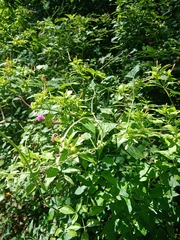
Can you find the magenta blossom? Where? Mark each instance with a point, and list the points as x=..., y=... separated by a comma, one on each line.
x=149, y=43
x=40, y=118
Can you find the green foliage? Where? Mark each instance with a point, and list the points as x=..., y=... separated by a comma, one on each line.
x=89, y=128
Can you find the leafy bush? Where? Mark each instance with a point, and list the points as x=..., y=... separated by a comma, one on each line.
x=90, y=140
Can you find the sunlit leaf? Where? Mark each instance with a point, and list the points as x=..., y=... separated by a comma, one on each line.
x=71, y=170
x=92, y=222
x=68, y=179
x=75, y=227
x=67, y=210
x=80, y=190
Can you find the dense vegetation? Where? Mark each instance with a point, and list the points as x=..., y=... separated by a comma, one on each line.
x=89, y=120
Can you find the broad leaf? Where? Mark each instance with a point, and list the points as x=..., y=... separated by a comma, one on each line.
x=52, y=172
x=95, y=210
x=67, y=210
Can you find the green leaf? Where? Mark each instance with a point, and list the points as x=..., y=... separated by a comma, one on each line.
x=2, y=197
x=105, y=128
x=95, y=210
x=63, y=155
x=107, y=175
x=157, y=192
x=90, y=126
x=48, y=120
x=50, y=214
x=80, y=190
x=1, y=162
x=108, y=230
x=174, y=92
x=85, y=236
x=135, y=152
x=30, y=188
x=71, y=170
x=108, y=111
x=108, y=160
x=58, y=231
x=121, y=139
x=83, y=137
x=68, y=179
x=143, y=179
x=44, y=67
x=129, y=205
x=52, y=172
x=74, y=218
x=64, y=85
x=72, y=233
x=150, y=49
x=133, y=72
x=75, y=227
x=31, y=226
x=87, y=156
x=67, y=210
x=48, y=181
x=78, y=206
x=123, y=192
x=92, y=223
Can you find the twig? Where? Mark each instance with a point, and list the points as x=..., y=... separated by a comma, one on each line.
x=111, y=60
x=69, y=57
x=44, y=81
x=2, y=113
x=20, y=97
x=173, y=67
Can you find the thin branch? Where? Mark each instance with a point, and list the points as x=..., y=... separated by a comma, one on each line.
x=2, y=113
x=20, y=97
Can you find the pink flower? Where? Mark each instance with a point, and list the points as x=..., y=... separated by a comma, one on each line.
x=40, y=118
x=149, y=43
